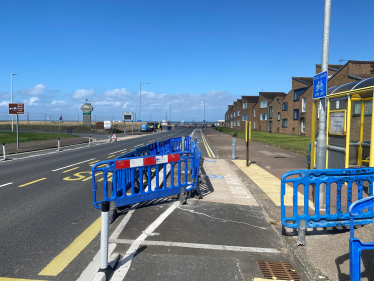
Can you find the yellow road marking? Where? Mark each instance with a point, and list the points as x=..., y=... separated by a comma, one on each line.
x=32, y=182
x=207, y=147
x=59, y=263
x=111, y=156
x=92, y=163
x=70, y=170
x=261, y=279
x=17, y=279
x=270, y=184
x=78, y=176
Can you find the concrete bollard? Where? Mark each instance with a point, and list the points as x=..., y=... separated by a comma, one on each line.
x=89, y=141
x=4, y=154
x=233, y=149
x=58, y=142
x=105, y=206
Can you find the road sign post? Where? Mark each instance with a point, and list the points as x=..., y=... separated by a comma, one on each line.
x=16, y=109
x=247, y=138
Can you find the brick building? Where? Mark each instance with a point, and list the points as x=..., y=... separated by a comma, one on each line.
x=291, y=113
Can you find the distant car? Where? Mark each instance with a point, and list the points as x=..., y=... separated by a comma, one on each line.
x=151, y=126
x=213, y=126
x=144, y=128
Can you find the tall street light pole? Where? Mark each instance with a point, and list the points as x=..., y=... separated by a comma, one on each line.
x=170, y=114
x=11, y=92
x=204, y=109
x=140, y=104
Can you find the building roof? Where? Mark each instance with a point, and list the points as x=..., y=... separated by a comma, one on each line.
x=250, y=99
x=332, y=66
x=273, y=95
x=306, y=80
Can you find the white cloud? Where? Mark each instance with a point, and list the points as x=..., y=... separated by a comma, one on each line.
x=4, y=103
x=34, y=91
x=83, y=94
x=31, y=101
x=116, y=94
x=54, y=102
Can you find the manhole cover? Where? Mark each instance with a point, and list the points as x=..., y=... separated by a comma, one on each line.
x=215, y=177
x=279, y=270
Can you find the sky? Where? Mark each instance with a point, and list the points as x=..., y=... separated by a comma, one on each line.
x=64, y=52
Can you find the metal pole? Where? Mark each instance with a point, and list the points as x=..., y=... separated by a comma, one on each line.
x=17, y=133
x=321, y=138
x=140, y=106
x=204, y=111
x=58, y=144
x=247, y=153
x=233, y=149
x=11, y=94
x=104, y=234
x=89, y=141
x=4, y=153
x=183, y=144
x=109, y=138
x=170, y=114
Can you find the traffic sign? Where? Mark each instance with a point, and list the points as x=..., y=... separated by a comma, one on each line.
x=16, y=108
x=114, y=137
x=320, y=85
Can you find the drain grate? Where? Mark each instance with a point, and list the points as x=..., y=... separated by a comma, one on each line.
x=278, y=270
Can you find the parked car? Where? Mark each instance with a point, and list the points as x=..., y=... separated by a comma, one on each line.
x=144, y=128
x=152, y=126
x=213, y=126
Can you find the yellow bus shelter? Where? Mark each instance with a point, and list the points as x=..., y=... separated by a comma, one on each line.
x=350, y=126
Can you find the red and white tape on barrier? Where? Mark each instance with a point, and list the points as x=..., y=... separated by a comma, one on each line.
x=146, y=161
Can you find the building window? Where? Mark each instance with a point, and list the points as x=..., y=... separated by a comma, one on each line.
x=254, y=112
x=263, y=116
x=298, y=92
x=285, y=106
x=303, y=126
x=234, y=123
x=284, y=123
x=244, y=118
x=238, y=123
x=368, y=105
x=295, y=114
x=264, y=104
x=279, y=116
x=231, y=124
x=303, y=104
x=239, y=113
x=244, y=105
x=270, y=112
x=234, y=114
x=231, y=115
x=254, y=124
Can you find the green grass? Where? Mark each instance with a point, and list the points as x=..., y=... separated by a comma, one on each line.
x=295, y=143
x=9, y=137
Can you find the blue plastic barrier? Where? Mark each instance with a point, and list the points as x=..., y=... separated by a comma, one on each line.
x=353, y=178
x=355, y=245
x=138, y=179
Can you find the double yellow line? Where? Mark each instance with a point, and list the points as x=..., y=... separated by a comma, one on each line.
x=207, y=147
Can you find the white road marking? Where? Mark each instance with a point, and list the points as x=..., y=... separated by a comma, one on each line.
x=94, y=265
x=123, y=223
x=6, y=184
x=117, y=151
x=199, y=246
x=125, y=263
x=73, y=165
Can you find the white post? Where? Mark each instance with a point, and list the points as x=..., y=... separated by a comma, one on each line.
x=58, y=144
x=104, y=234
x=89, y=141
x=109, y=138
x=4, y=153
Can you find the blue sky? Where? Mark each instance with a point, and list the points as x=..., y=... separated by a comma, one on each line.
x=66, y=51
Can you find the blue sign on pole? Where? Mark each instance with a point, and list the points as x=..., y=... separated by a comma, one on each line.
x=229, y=120
x=320, y=85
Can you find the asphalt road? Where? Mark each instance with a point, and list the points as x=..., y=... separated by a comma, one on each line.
x=44, y=207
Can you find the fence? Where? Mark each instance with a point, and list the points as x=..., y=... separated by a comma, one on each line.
x=52, y=122
x=158, y=170
x=355, y=245
x=343, y=186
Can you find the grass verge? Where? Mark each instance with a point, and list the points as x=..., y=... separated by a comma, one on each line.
x=9, y=137
x=294, y=143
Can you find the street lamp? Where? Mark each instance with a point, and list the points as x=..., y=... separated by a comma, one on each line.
x=204, y=109
x=170, y=113
x=11, y=92
x=140, y=105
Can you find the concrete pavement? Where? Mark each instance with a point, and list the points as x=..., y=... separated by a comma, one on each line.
x=326, y=253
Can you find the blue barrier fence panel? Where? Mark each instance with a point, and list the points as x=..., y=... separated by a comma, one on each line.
x=355, y=245
x=310, y=181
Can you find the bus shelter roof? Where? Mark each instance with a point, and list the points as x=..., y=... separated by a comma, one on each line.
x=358, y=87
